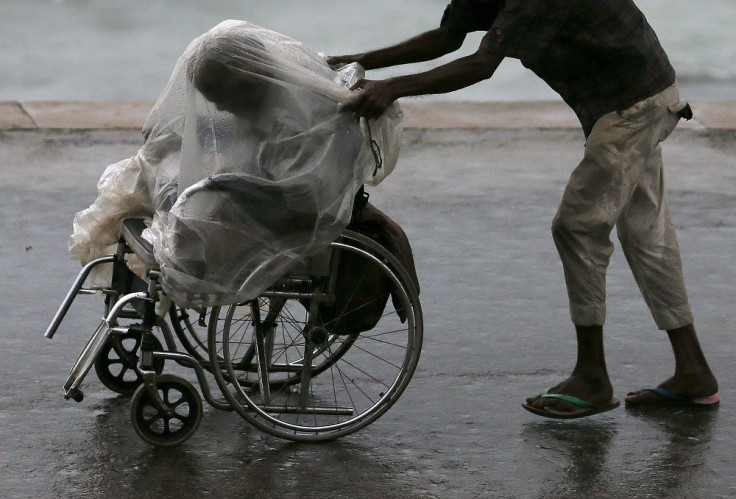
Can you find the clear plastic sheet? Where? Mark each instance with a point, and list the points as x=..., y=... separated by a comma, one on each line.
x=136, y=186
x=249, y=166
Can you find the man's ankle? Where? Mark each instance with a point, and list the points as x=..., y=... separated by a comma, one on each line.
x=594, y=376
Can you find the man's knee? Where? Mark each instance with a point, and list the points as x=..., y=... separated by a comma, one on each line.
x=640, y=234
x=564, y=228
x=583, y=235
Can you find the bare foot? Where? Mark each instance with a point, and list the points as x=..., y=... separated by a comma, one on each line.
x=688, y=386
x=589, y=386
x=597, y=391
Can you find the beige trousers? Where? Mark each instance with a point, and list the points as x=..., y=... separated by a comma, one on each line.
x=620, y=183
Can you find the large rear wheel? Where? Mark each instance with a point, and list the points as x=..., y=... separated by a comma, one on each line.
x=301, y=368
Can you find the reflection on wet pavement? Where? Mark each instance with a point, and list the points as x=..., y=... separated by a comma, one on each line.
x=476, y=207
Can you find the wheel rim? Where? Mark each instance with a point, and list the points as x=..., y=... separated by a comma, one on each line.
x=366, y=374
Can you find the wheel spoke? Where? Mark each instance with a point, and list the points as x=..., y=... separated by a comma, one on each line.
x=149, y=422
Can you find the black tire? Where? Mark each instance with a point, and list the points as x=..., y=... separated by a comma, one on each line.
x=352, y=379
x=116, y=365
x=166, y=430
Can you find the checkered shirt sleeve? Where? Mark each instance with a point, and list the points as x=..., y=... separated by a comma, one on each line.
x=463, y=16
x=524, y=28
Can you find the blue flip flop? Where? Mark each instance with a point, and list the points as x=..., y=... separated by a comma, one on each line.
x=667, y=398
x=584, y=408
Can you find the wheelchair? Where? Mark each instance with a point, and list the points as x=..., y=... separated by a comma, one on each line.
x=315, y=357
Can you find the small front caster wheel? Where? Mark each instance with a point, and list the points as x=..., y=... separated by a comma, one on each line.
x=166, y=428
x=116, y=364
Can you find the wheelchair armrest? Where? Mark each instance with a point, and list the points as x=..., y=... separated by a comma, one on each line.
x=132, y=234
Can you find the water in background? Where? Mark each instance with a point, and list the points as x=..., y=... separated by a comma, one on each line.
x=118, y=50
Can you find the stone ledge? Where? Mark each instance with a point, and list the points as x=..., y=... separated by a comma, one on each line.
x=76, y=115
x=14, y=117
x=89, y=115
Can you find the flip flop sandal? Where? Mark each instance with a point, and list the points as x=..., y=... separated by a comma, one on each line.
x=585, y=408
x=670, y=399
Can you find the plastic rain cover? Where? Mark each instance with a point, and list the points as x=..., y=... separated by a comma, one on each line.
x=249, y=166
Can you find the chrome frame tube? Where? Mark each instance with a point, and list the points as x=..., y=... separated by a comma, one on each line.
x=95, y=344
x=320, y=297
x=117, y=309
x=73, y=292
x=187, y=360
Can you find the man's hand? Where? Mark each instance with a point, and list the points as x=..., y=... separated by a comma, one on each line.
x=377, y=95
x=374, y=98
x=335, y=60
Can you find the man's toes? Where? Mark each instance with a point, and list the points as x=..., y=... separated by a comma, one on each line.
x=639, y=396
x=552, y=403
x=532, y=400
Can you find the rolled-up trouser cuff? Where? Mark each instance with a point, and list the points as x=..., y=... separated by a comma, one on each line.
x=588, y=315
x=673, y=318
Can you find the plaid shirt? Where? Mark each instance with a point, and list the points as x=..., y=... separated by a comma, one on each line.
x=599, y=55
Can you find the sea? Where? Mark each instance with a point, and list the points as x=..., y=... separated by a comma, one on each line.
x=125, y=49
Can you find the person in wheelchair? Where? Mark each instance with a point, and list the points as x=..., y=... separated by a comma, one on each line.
x=254, y=187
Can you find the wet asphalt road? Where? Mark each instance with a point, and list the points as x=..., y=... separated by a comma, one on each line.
x=477, y=207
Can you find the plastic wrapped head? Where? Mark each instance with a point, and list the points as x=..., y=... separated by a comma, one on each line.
x=235, y=77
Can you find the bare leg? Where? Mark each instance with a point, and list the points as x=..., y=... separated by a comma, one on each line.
x=693, y=377
x=589, y=379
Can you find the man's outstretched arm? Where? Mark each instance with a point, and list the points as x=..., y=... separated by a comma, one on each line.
x=424, y=47
x=376, y=96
